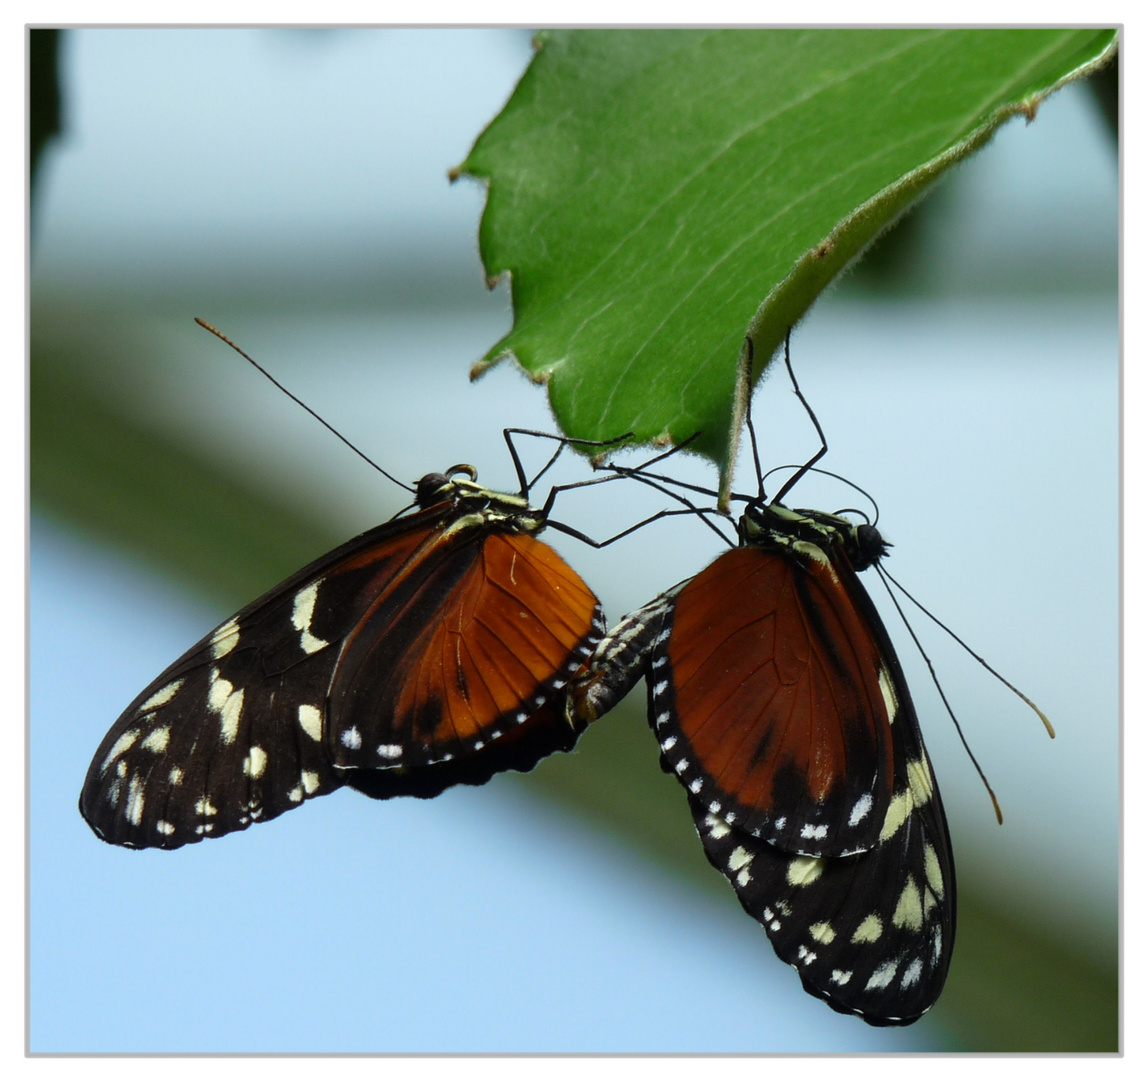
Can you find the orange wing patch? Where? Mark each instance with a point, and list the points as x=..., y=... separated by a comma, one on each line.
x=775, y=684
x=512, y=630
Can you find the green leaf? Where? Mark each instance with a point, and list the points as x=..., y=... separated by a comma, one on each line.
x=657, y=195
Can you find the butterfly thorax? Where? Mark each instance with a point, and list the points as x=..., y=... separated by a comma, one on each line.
x=473, y=505
x=811, y=533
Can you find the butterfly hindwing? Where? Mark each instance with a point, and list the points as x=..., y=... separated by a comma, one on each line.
x=467, y=659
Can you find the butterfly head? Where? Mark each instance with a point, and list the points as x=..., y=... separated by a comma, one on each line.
x=439, y=487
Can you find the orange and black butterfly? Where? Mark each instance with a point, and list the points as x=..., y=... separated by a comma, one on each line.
x=779, y=704
x=432, y=650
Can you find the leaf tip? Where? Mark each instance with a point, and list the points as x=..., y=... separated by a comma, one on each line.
x=481, y=367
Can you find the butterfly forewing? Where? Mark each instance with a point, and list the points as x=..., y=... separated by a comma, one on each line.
x=771, y=699
x=270, y=709
x=209, y=749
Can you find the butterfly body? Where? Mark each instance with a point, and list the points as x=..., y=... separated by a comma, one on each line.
x=429, y=651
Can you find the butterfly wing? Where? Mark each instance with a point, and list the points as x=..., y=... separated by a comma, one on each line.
x=772, y=701
x=774, y=689
x=239, y=729
x=466, y=664
x=871, y=933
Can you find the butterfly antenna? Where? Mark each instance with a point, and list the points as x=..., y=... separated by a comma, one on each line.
x=937, y=683
x=843, y=479
x=979, y=659
x=748, y=368
x=788, y=485
x=262, y=370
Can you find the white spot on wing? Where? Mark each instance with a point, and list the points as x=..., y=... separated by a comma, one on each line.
x=351, y=738
x=888, y=694
x=898, y=813
x=255, y=762
x=803, y=870
x=822, y=933
x=861, y=809
x=738, y=858
x=814, y=832
x=175, y=777
x=309, y=643
x=868, y=930
x=135, y=804
x=908, y=912
x=157, y=740
x=310, y=782
x=125, y=742
x=920, y=781
x=165, y=828
x=295, y=794
x=229, y=717
x=883, y=976
x=933, y=873
x=717, y=828
x=390, y=750
x=161, y=696
x=225, y=639
x=311, y=721
x=218, y=692
x=204, y=808
x=301, y=615
x=912, y=974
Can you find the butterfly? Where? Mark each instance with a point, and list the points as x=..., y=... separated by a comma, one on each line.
x=779, y=704
x=432, y=650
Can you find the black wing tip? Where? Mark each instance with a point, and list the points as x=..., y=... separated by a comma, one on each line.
x=873, y=1019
